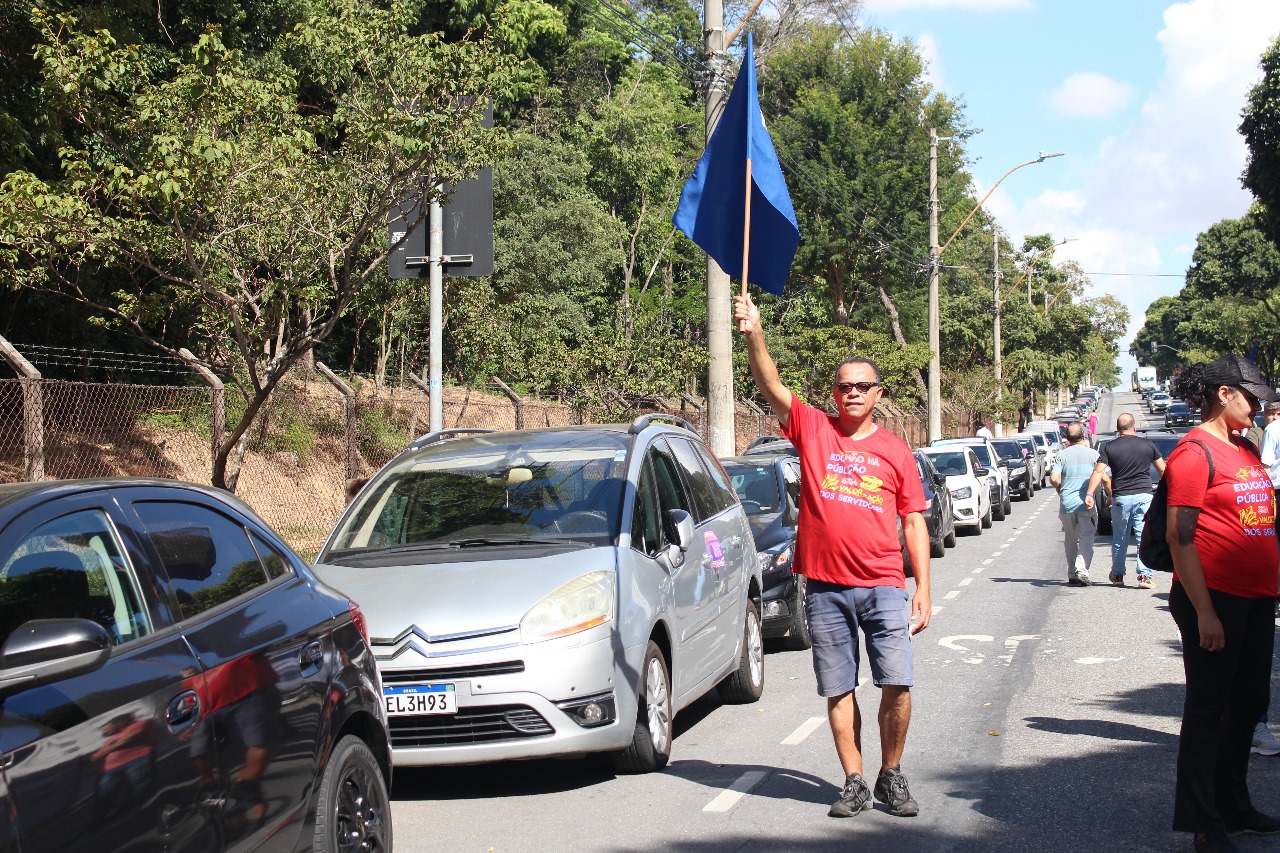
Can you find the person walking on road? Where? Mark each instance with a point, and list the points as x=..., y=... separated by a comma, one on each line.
x=1271, y=442
x=1069, y=476
x=1130, y=457
x=856, y=481
x=1093, y=424
x=1226, y=573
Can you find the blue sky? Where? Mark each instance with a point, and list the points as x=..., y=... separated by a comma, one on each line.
x=1143, y=97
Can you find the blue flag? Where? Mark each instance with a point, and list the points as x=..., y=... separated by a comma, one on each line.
x=712, y=204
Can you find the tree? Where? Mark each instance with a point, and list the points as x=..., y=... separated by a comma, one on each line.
x=243, y=192
x=1260, y=126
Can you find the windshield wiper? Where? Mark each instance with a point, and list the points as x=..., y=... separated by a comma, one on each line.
x=498, y=541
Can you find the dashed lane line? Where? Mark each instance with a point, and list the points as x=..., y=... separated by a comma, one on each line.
x=987, y=562
x=807, y=728
x=980, y=569
x=935, y=610
x=951, y=595
x=966, y=581
x=729, y=798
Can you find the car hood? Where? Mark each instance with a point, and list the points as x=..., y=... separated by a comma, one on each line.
x=959, y=481
x=445, y=599
x=768, y=530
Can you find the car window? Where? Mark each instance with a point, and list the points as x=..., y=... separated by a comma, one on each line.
x=705, y=497
x=983, y=452
x=73, y=568
x=208, y=556
x=757, y=486
x=974, y=464
x=276, y=564
x=667, y=479
x=726, y=495
x=646, y=529
x=791, y=475
x=950, y=463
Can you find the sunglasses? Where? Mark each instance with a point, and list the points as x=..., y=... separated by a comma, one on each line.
x=863, y=387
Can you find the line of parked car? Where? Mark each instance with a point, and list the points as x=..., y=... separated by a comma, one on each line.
x=174, y=676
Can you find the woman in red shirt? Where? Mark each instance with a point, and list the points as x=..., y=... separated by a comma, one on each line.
x=1226, y=572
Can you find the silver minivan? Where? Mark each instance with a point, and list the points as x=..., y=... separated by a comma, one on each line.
x=551, y=592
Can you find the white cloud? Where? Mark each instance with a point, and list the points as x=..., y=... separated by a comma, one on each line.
x=928, y=47
x=1090, y=95
x=1146, y=192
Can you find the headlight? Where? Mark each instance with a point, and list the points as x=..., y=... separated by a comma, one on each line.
x=582, y=603
x=775, y=557
x=961, y=494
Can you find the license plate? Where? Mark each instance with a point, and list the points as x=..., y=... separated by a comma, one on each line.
x=409, y=699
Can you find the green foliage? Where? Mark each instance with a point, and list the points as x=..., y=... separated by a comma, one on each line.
x=1260, y=126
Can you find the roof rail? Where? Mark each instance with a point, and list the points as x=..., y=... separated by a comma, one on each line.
x=644, y=421
x=442, y=434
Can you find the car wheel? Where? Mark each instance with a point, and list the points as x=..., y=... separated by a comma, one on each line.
x=950, y=539
x=798, y=638
x=353, y=811
x=650, y=745
x=936, y=546
x=746, y=683
x=1008, y=506
x=986, y=519
x=997, y=510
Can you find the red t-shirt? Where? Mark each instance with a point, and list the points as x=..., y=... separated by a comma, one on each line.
x=851, y=493
x=1235, y=534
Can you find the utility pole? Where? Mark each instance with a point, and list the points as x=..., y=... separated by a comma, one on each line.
x=720, y=425
x=435, y=347
x=996, y=330
x=935, y=259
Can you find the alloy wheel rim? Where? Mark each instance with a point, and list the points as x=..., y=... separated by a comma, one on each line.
x=360, y=819
x=755, y=647
x=655, y=692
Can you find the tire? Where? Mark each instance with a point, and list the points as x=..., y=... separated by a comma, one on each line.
x=353, y=811
x=937, y=548
x=650, y=745
x=950, y=539
x=986, y=519
x=798, y=638
x=745, y=684
x=1008, y=506
x=997, y=511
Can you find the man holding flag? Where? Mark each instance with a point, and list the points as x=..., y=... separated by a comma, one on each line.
x=856, y=479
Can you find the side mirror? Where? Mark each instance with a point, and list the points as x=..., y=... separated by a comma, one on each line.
x=44, y=651
x=680, y=528
x=982, y=471
x=1003, y=463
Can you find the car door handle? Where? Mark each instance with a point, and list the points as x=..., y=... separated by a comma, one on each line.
x=183, y=710
x=311, y=655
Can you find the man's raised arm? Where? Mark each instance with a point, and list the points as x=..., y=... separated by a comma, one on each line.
x=763, y=369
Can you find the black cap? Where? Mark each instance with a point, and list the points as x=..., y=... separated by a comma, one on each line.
x=1239, y=373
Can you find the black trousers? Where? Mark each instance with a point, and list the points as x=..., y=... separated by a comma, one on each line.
x=1227, y=692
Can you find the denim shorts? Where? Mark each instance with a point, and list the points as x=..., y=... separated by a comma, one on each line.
x=836, y=613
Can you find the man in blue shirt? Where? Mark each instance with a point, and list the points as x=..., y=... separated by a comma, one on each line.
x=1070, y=476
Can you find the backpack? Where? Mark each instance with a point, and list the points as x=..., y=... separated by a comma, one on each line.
x=1153, y=549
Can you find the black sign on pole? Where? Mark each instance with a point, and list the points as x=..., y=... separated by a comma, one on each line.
x=468, y=228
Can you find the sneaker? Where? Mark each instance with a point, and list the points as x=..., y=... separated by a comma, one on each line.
x=1116, y=580
x=1144, y=583
x=854, y=798
x=1264, y=743
x=1079, y=579
x=891, y=789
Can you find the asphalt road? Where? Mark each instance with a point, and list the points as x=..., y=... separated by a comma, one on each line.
x=1045, y=719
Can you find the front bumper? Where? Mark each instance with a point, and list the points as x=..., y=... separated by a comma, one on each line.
x=776, y=615
x=965, y=511
x=510, y=702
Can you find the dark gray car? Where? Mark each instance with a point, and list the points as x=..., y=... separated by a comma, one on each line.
x=174, y=678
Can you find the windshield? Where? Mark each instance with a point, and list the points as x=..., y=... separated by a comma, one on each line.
x=558, y=485
x=950, y=463
x=1028, y=446
x=983, y=453
x=757, y=488
x=1176, y=408
x=1008, y=449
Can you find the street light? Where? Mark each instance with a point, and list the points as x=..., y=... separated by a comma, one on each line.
x=1027, y=272
x=935, y=262
x=1155, y=346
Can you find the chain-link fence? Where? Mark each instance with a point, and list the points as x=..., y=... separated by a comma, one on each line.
x=311, y=436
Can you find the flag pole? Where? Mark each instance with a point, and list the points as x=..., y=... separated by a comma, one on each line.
x=746, y=230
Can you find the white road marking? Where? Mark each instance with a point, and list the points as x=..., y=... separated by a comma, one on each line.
x=987, y=562
x=1005, y=545
x=978, y=570
x=735, y=792
x=951, y=595
x=1092, y=661
x=935, y=610
x=966, y=581
x=997, y=554
x=807, y=728
x=1011, y=645
x=950, y=643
